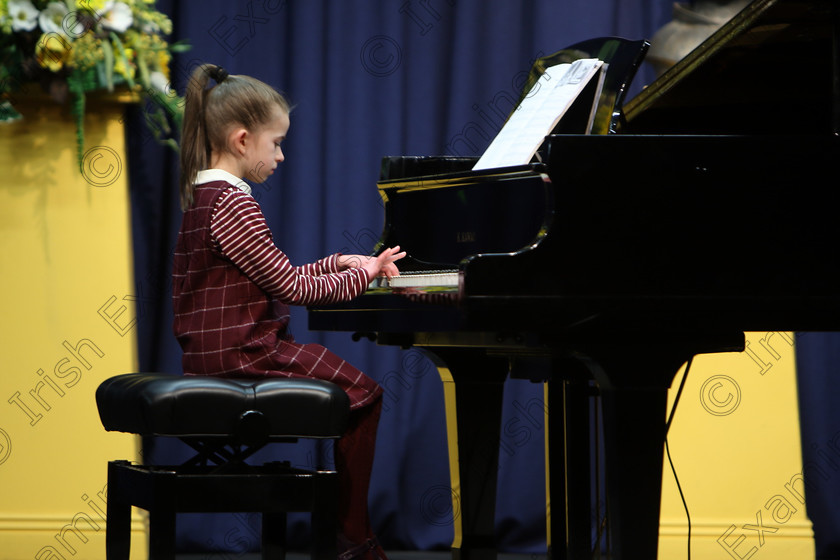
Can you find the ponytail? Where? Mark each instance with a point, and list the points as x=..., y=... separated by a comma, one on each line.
x=195, y=146
x=210, y=113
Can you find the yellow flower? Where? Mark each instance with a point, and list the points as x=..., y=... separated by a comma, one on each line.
x=163, y=58
x=52, y=51
x=87, y=52
x=95, y=6
x=123, y=66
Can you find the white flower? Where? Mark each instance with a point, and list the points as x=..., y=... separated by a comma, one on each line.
x=54, y=20
x=158, y=81
x=23, y=14
x=116, y=16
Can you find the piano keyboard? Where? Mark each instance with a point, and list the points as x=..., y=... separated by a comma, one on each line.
x=419, y=279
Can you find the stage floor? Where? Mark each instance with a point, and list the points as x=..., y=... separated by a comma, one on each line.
x=392, y=555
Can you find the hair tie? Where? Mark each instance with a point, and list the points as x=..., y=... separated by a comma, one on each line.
x=219, y=74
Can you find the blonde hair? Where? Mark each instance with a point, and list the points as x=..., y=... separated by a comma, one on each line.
x=209, y=115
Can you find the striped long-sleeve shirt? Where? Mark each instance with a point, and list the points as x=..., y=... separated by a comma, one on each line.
x=238, y=228
x=231, y=288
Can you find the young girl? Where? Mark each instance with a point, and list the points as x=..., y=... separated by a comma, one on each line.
x=232, y=285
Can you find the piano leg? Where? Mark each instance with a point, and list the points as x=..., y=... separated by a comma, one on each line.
x=473, y=388
x=633, y=382
x=569, y=480
x=634, y=435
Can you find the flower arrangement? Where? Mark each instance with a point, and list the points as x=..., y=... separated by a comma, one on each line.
x=71, y=47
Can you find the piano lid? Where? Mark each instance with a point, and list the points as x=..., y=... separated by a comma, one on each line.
x=773, y=68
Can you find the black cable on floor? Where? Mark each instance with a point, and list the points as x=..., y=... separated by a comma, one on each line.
x=668, y=453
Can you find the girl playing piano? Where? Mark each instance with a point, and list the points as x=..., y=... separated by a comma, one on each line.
x=232, y=285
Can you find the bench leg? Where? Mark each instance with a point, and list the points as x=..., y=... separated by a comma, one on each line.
x=274, y=536
x=118, y=531
x=325, y=517
x=118, y=519
x=162, y=534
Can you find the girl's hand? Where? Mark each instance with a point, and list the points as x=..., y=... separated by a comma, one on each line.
x=381, y=265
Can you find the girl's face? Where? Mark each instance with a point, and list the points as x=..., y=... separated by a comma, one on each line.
x=263, y=152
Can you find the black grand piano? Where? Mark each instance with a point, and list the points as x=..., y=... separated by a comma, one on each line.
x=702, y=208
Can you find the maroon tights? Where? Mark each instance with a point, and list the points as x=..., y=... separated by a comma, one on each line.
x=354, y=460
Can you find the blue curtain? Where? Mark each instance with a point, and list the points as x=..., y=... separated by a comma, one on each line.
x=367, y=78
x=818, y=388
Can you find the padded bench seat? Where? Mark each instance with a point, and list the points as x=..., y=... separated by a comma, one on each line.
x=225, y=421
x=210, y=407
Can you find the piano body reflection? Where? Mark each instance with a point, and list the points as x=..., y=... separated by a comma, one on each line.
x=698, y=210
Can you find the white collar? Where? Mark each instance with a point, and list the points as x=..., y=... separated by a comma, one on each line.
x=209, y=175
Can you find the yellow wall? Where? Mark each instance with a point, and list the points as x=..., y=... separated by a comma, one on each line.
x=68, y=308
x=736, y=447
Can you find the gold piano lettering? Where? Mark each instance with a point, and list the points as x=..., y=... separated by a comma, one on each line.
x=465, y=236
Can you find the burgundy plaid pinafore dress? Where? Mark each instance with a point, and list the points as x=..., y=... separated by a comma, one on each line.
x=231, y=287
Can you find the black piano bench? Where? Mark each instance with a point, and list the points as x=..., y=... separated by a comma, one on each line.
x=225, y=421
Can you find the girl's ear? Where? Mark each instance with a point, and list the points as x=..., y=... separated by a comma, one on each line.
x=238, y=139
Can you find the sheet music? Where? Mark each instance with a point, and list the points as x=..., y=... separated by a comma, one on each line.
x=538, y=113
